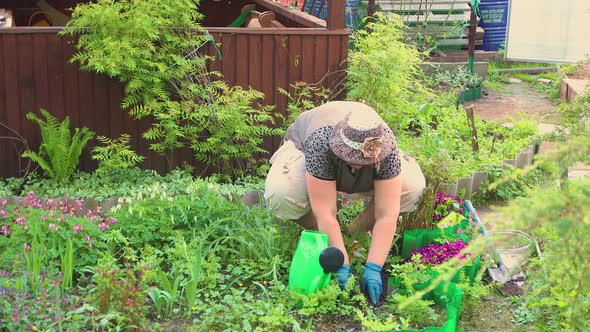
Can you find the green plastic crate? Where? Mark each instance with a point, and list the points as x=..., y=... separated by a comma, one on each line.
x=448, y=295
x=417, y=239
x=469, y=94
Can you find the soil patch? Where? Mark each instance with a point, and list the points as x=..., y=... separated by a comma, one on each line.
x=582, y=74
x=521, y=97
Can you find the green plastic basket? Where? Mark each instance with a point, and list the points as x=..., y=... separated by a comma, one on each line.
x=469, y=94
x=417, y=239
x=448, y=295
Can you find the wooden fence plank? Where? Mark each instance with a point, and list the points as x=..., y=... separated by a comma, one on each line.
x=55, y=75
x=71, y=93
x=268, y=81
x=308, y=59
x=40, y=70
x=255, y=64
x=242, y=60
x=4, y=132
x=294, y=61
x=264, y=59
x=26, y=88
x=228, y=64
x=321, y=58
x=116, y=118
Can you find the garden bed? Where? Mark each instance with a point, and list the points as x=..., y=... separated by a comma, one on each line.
x=121, y=241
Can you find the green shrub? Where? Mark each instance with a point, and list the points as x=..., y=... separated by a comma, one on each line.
x=59, y=153
x=115, y=154
x=154, y=47
x=384, y=72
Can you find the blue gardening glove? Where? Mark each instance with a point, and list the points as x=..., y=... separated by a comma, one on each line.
x=342, y=274
x=372, y=285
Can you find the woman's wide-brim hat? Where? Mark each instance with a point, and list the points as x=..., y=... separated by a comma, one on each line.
x=362, y=138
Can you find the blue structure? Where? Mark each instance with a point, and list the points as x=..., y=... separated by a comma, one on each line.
x=494, y=21
x=351, y=15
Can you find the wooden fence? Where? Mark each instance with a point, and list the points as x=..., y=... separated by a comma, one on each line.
x=35, y=73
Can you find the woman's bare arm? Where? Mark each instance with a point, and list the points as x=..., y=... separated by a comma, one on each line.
x=322, y=197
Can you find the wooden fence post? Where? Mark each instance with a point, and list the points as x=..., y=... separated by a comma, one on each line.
x=335, y=19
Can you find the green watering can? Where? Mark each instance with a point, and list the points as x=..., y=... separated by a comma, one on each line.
x=313, y=263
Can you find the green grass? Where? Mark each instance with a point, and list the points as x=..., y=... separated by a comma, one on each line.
x=524, y=77
x=496, y=82
x=493, y=65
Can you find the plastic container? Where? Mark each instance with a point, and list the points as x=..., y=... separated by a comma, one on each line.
x=313, y=263
x=494, y=20
x=448, y=295
x=469, y=94
x=417, y=239
x=515, y=248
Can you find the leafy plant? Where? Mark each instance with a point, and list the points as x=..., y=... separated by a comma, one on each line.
x=116, y=154
x=576, y=115
x=119, y=293
x=59, y=153
x=44, y=227
x=459, y=78
x=155, y=47
x=446, y=204
x=49, y=309
x=115, y=183
x=304, y=97
x=384, y=71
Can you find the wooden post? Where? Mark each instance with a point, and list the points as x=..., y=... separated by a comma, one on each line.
x=471, y=44
x=371, y=8
x=335, y=19
x=471, y=116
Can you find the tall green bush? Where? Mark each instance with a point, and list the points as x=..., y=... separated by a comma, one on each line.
x=155, y=48
x=384, y=71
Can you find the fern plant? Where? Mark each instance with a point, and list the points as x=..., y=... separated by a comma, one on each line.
x=59, y=153
x=157, y=49
x=115, y=154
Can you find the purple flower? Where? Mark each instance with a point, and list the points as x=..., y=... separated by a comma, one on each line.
x=77, y=228
x=444, y=204
x=26, y=246
x=20, y=220
x=5, y=230
x=435, y=254
x=103, y=226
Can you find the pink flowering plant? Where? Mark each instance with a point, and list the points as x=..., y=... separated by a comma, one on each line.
x=445, y=204
x=52, y=223
x=22, y=310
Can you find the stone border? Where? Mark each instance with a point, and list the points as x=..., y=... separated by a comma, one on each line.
x=473, y=184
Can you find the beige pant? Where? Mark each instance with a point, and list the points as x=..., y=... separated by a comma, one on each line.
x=285, y=190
